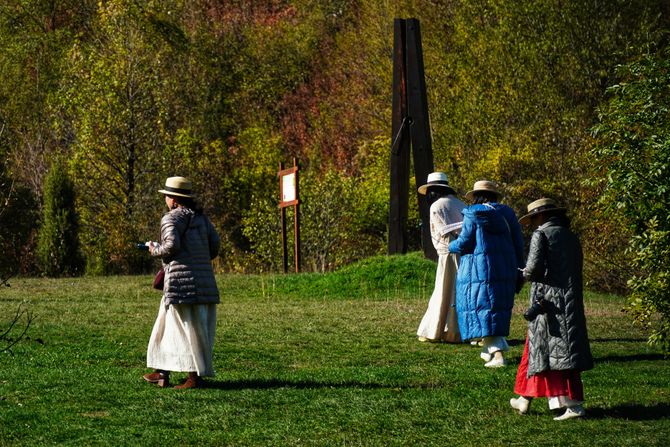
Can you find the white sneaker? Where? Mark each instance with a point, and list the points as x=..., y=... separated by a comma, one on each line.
x=520, y=404
x=486, y=356
x=571, y=412
x=498, y=361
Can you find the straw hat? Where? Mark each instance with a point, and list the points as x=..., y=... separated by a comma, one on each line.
x=177, y=186
x=540, y=206
x=436, y=179
x=483, y=185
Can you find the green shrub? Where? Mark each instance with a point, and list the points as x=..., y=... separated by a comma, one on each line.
x=342, y=219
x=634, y=145
x=58, y=244
x=262, y=226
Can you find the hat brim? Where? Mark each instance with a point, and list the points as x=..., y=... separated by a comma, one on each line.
x=525, y=220
x=178, y=194
x=424, y=188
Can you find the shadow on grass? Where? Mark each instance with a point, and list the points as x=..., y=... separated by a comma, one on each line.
x=262, y=384
x=632, y=412
x=629, y=358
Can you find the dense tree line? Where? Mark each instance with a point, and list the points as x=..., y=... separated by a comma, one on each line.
x=131, y=91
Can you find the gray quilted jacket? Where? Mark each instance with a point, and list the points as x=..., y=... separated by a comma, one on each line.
x=558, y=339
x=188, y=244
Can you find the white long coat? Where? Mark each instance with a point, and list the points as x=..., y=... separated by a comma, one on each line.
x=440, y=322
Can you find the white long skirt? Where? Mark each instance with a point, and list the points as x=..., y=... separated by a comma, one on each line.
x=183, y=338
x=440, y=322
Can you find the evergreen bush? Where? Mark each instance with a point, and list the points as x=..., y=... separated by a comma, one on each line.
x=58, y=244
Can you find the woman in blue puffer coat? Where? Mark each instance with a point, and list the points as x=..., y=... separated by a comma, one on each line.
x=491, y=249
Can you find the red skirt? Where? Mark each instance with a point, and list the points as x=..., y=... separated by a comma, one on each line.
x=548, y=383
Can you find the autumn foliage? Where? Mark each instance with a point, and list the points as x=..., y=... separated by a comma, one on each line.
x=222, y=91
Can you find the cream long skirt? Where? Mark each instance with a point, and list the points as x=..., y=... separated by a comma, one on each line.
x=440, y=322
x=183, y=338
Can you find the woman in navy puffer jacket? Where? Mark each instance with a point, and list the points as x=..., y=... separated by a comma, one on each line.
x=491, y=249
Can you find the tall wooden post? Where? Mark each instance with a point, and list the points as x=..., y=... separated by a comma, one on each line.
x=282, y=214
x=410, y=127
x=397, y=239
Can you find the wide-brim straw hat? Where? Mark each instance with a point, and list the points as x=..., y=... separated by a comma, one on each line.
x=436, y=179
x=544, y=205
x=177, y=186
x=483, y=185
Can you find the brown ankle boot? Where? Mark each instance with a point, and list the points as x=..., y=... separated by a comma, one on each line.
x=160, y=378
x=193, y=381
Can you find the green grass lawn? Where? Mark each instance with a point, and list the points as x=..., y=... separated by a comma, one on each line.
x=305, y=360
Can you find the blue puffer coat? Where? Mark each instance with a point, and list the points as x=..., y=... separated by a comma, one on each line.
x=491, y=249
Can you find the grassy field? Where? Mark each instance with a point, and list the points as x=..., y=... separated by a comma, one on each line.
x=305, y=360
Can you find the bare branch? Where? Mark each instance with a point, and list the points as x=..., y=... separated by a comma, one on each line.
x=4, y=337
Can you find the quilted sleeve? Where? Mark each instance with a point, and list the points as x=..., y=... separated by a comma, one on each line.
x=465, y=243
x=535, y=269
x=169, y=244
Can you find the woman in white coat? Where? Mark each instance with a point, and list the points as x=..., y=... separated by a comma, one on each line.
x=440, y=322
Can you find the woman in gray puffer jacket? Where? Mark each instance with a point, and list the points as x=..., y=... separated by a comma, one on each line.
x=183, y=335
x=557, y=347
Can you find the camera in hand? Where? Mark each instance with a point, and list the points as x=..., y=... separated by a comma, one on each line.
x=538, y=307
x=142, y=246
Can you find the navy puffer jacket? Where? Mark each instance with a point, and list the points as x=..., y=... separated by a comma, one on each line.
x=491, y=249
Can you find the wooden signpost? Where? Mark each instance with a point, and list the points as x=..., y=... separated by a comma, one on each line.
x=410, y=127
x=288, y=189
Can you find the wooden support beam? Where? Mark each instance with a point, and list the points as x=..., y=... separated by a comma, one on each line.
x=397, y=238
x=410, y=129
x=417, y=107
